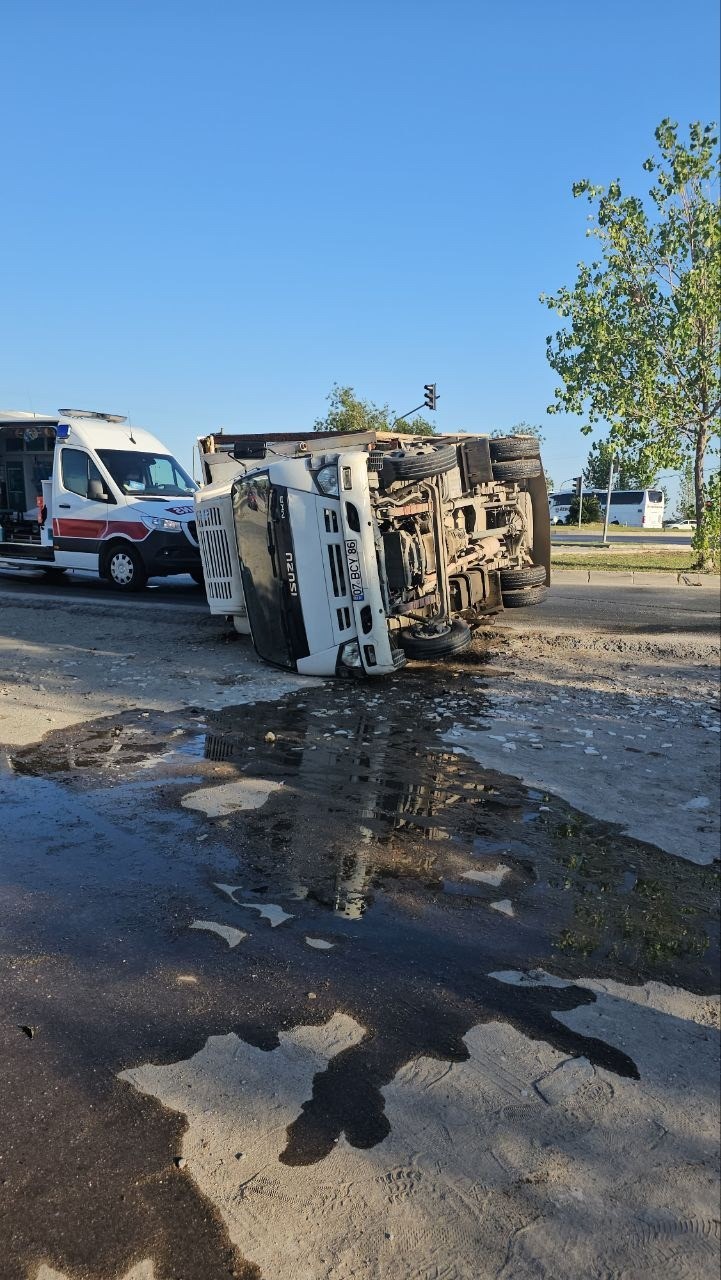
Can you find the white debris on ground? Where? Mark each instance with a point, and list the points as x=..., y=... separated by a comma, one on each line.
x=320, y=944
x=493, y=875
x=269, y=911
x=232, y=936
x=230, y=797
x=622, y=742
x=520, y=1163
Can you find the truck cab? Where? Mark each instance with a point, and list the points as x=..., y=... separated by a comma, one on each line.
x=355, y=553
x=85, y=490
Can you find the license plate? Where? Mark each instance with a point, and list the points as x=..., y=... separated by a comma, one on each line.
x=354, y=573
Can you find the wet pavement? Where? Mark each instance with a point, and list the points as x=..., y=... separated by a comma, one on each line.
x=369, y=869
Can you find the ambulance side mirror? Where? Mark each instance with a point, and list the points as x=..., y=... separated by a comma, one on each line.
x=96, y=491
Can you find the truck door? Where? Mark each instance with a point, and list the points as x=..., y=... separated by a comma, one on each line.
x=81, y=498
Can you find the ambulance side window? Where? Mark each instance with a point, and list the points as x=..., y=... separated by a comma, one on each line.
x=78, y=469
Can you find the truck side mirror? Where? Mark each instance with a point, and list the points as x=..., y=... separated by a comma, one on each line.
x=96, y=491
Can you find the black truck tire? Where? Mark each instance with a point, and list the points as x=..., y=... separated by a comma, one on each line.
x=435, y=639
x=509, y=448
x=518, y=469
x=524, y=598
x=409, y=464
x=531, y=575
x=123, y=567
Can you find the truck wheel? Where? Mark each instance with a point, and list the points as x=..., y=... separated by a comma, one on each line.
x=508, y=448
x=522, y=599
x=531, y=575
x=518, y=469
x=435, y=639
x=124, y=568
x=413, y=464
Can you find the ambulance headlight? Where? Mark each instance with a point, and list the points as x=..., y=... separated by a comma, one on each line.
x=327, y=481
x=161, y=522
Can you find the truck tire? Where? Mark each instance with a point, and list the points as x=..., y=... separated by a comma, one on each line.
x=531, y=575
x=524, y=598
x=435, y=639
x=518, y=469
x=123, y=567
x=509, y=448
x=410, y=464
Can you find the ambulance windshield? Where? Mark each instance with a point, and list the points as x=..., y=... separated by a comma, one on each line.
x=147, y=475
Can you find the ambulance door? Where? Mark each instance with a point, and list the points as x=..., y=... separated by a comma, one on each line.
x=81, y=503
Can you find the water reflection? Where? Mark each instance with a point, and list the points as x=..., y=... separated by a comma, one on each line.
x=369, y=806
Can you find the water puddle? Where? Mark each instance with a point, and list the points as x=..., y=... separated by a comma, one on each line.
x=367, y=868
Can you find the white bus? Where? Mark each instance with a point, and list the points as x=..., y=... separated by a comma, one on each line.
x=642, y=508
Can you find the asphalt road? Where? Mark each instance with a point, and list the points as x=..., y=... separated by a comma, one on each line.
x=179, y=589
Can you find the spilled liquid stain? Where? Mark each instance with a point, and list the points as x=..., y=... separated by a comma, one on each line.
x=379, y=841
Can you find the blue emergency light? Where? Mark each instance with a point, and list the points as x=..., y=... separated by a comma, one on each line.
x=63, y=430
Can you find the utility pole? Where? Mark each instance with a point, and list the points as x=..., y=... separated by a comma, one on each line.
x=608, y=497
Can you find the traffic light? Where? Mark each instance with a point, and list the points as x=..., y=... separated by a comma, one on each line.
x=430, y=396
x=577, y=485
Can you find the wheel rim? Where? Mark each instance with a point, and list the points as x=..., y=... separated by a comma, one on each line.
x=432, y=631
x=122, y=569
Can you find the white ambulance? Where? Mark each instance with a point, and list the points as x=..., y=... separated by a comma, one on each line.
x=84, y=490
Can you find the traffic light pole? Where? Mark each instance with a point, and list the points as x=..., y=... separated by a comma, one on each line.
x=408, y=414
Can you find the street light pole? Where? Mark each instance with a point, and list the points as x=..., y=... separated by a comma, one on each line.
x=608, y=497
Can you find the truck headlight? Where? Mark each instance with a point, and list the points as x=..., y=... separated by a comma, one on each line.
x=327, y=481
x=161, y=522
x=350, y=655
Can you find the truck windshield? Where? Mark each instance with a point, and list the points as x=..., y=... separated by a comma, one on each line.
x=262, y=585
x=148, y=475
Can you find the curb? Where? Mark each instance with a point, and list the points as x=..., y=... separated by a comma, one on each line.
x=636, y=577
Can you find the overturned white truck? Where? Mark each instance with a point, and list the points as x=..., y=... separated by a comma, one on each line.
x=353, y=553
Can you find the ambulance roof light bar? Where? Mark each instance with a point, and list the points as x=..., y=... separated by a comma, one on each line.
x=91, y=413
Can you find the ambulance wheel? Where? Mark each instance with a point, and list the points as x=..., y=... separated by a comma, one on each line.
x=123, y=567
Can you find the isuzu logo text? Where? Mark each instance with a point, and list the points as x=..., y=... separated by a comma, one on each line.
x=290, y=573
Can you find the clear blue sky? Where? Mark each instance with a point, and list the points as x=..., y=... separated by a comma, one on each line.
x=213, y=210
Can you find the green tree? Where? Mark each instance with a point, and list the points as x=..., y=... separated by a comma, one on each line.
x=629, y=473
x=591, y=513
x=686, y=505
x=520, y=429
x=349, y=413
x=641, y=346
